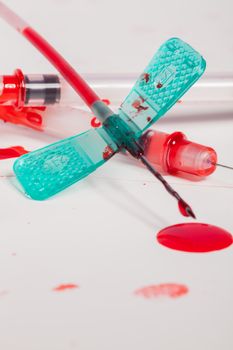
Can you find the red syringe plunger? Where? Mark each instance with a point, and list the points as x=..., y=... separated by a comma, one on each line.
x=173, y=153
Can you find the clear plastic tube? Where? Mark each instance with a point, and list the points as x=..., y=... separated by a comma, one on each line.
x=215, y=88
x=210, y=95
x=12, y=18
x=50, y=89
x=209, y=89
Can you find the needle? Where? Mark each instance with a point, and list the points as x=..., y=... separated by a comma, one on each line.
x=224, y=166
x=184, y=208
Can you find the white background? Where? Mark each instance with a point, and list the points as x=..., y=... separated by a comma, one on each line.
x=101, y=233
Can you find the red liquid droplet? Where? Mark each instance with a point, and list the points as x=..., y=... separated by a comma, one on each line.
x=171, y=290
x=95, y=123
x=194, y=237
x=107, y=152
x=146, y=77
x=106, y=101
x=63, y=287
x=159, y=85
x=185, y=209
x=12, y=152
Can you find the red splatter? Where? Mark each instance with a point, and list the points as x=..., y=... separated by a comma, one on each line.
x=195, y=237
x=63, y=287
x=159, y=85
x=107, y=152
x=146, y=77
x=179, y=101
x=148, y=119
x=95, y=123
x=12, y=152
x=138, y=106
x=171, y=290
x=106, y=101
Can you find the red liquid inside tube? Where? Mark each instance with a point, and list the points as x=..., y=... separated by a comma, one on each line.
x=174, y=153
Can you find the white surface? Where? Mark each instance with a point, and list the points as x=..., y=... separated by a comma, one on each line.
x=100, y=234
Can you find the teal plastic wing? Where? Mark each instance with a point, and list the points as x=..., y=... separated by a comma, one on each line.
x=51, y=169
x=175, y=67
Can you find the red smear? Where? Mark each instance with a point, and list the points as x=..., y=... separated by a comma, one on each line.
x=195, y=237
x=179, y=101
x=107, y=152
x=148, y=119
x=171, y=290
x=12, y=152
x=159, y=85
x=106, y=101
x=146, y=77
x=95, y=123
x=63, y=287
x=138, y=106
